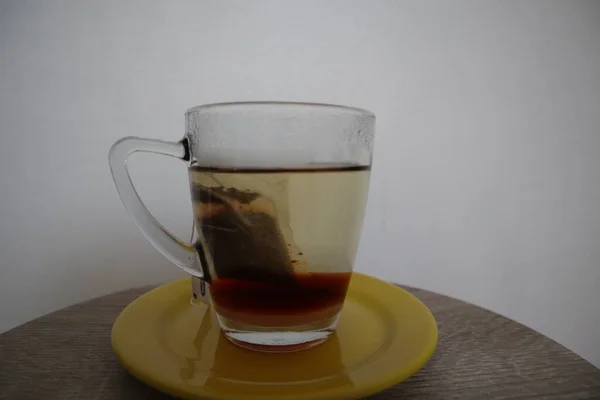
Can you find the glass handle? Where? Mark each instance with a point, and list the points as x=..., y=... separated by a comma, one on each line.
x=177, y=251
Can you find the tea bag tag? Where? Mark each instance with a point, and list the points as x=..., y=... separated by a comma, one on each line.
x=200, y=291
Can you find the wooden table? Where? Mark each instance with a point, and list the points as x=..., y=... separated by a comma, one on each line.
x=67, y=355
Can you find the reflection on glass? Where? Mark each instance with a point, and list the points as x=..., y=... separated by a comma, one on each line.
x=220, y=365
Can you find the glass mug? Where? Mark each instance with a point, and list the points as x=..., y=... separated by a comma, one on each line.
x=279, y=193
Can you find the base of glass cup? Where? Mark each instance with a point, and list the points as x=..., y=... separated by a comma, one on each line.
x=278, y=339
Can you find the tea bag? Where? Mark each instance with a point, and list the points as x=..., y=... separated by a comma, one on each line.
x=240, y=236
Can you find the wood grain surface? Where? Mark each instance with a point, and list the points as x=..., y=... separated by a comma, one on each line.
x=67, y=355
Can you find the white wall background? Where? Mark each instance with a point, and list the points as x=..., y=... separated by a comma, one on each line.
x=486, y=184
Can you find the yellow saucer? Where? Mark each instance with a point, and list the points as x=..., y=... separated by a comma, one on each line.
x=384, y=336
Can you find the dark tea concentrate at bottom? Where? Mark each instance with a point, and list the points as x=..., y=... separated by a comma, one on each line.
x=302, y=300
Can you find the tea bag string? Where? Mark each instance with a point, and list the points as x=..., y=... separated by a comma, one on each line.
x=193, y=231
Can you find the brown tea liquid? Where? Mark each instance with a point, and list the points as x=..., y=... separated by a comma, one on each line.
x=278, y=245
x=306, y=298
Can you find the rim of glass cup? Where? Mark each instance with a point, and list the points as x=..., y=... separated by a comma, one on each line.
x=234, y=104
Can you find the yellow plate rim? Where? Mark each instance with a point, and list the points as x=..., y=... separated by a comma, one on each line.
x=370, y=387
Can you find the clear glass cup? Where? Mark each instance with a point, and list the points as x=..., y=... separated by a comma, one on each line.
x=279, y=193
